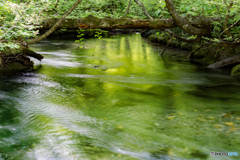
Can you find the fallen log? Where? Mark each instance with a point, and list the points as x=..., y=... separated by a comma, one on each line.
x=92, y=22
x=225, y=62
x=31, y=53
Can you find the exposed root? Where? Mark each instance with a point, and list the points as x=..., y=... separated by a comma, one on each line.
x=20, y=58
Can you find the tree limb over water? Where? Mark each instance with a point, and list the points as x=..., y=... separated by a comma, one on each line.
x=35, y=40
x=92, y=22
x=184, y=23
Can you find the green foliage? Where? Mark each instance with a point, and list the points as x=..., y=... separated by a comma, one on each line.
x=80, y=40
x=208, y=8
x=64, y=28
x=21, y=18
x=98, y=35
x=10, y=45
x=19, y=21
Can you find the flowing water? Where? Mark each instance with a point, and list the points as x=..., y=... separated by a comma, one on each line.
x=117, y=99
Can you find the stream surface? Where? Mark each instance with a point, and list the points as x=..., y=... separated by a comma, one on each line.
x=117, y=99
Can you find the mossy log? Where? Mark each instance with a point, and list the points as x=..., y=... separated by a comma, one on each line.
x=31, y=53
x=225, y=62
x=92, y=22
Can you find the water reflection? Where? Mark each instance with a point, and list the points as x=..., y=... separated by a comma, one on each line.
x=116, y=99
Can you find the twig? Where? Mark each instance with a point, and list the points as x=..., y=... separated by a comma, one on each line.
x=228, y=28
x=166, y=46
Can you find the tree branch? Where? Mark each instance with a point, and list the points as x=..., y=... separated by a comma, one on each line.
x=225, y=28
x=199, y=37
x=35, y=40
x=56, y=4
x=229, y=27
x=166, y=46
x=144, y=10
x=127, y=11
x=183, y=23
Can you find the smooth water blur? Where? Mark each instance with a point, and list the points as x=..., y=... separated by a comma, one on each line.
x=117, y=99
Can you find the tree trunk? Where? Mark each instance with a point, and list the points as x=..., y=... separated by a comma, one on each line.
x=183, y=22
x=35, y=40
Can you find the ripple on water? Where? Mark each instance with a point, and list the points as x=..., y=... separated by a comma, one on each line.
x=57, y=54
x=61, y=63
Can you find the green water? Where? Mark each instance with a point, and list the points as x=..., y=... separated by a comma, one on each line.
x=117, y=99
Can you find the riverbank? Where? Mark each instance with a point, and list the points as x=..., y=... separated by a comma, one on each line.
x=18, y=58
x=205, y=53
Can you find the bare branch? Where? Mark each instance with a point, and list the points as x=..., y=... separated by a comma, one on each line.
x=35, y=40
x=227, y=32
x=144, y=10
x=229, y=27
x=166, y=46
x=127, y=11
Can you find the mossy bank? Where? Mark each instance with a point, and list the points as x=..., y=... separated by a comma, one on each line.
x=204, y=52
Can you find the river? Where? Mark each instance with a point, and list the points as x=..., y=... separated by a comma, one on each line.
x=117, y=99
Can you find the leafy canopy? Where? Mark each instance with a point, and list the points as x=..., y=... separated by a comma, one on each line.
x=21, y=18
